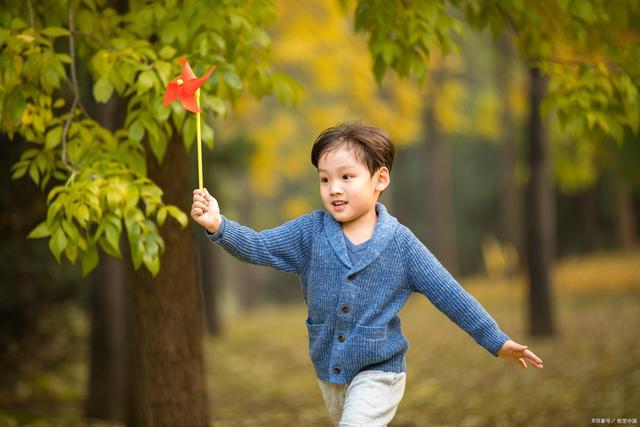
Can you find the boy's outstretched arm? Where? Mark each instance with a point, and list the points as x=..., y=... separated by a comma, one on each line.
x=429, y=277
x=515, y=352
x=284, y=248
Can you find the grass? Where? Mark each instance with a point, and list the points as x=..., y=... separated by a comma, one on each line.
x=260, y=375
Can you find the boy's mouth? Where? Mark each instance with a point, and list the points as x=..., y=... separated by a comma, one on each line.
x=339, y=204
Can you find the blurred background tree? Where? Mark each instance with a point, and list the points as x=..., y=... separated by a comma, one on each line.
x=585, y=47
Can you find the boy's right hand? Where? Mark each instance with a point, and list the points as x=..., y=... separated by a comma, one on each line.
x=205, y=210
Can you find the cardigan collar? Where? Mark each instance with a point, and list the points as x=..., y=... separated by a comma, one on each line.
x=382, y=235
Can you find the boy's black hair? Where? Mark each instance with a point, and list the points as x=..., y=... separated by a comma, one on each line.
x=371, y=146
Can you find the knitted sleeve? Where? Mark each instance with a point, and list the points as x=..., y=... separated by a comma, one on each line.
x=284, y=248
x=426, y=275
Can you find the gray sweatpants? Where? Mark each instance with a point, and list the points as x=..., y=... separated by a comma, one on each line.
x=370, y=399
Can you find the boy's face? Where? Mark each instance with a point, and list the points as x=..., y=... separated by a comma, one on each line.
x=347, y=189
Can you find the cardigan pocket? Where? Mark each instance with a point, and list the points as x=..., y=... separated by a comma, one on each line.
x=369, y=333
x=314, y=329
x=318, y=346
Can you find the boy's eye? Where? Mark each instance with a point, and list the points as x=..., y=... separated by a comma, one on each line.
x=324, y=180
x=347, y=176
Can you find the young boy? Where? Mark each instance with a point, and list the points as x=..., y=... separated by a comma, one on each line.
x=358, y=266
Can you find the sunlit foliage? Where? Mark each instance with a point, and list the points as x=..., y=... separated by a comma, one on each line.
x=96, y=179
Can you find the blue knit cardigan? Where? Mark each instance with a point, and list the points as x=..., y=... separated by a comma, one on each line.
x=353, y=321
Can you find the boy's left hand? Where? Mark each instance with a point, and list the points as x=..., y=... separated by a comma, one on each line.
x=515, y=352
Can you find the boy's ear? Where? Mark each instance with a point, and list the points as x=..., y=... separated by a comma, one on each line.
x=383, y=179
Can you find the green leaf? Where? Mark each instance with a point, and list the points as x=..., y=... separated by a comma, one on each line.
x=82, y=243
x=167, y=52
x=102, y=90
x=103, y=62
x=162, y=215
x=208, y=135
x=54, y=137
x=584, y=10
x=232, y=79
x=19, y=171
x=71, y=230
x=216, y=104
x=179, y=114
x=54, y=209
x=113, y=237
x=114, y=197
x=58, y=243
x=136, y=131
x=30, y=154
x=55, y=32
x=82, y=214
x=41, y=162
x=180, y=216
x=152, y=263
x=146, y=81
x=157, y=140
x=63, y=57
x=17, y=23
x=388, y=52
x=54, y=192
x=135, y=243
x=152, y=247
x=189, y=132
x=261, y=37
x=162, y=112
x=89, y=260
x=616, y=131
x=150, y=208
x=72, y=253
x=52, y=76
x=379, y=68
x=132, y=195
x=110, y=250
x=41, y=230
x=138, y=163
x=33, y=173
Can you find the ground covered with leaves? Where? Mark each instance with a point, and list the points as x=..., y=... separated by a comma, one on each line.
x=259, y=373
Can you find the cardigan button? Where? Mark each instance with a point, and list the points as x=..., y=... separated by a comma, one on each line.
x=337, y=370
x=341, y=338
x=345, y=309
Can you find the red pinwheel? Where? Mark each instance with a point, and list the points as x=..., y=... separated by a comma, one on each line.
x=184, y=87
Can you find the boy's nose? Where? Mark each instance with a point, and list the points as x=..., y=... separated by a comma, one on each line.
x=335, y=189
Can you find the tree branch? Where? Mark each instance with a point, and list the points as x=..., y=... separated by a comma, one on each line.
x=507, y=18
x=74, y=87
x=574, y=62
x=100, y=41
x=31, y=19
x=561, y=61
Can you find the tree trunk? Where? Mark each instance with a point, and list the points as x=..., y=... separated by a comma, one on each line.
x=108, y=365
x=511, y=209
x=589, y=220
x=539, y=218
x=250, y=282
x=439, y=192
x=108, y=391
x=168, y=377
x=625, y=218
x=209, y=278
